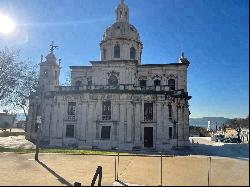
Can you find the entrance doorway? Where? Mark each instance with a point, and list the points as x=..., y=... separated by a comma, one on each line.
x=148, y=137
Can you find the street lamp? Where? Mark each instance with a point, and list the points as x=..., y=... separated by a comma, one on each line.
x=38, y=121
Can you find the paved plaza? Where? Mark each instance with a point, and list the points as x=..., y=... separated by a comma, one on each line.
x=60, y=169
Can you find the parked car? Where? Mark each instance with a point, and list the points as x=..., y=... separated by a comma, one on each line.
x=235, y=140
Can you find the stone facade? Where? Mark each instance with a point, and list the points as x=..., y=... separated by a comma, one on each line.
x=115, y=103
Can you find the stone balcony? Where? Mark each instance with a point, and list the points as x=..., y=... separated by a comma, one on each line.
x=70, y=118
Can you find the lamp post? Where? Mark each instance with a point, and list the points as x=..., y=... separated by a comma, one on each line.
x=38, y=122
x=38, y=138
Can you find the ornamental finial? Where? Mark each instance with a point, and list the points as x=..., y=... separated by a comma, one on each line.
x=53, y=47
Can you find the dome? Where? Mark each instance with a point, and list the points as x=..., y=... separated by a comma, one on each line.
x=122, y=30
x=121, y=41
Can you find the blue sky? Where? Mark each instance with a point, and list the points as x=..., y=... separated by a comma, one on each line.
x=213, y=34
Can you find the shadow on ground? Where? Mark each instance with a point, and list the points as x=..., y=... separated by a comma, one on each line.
x=60, y=179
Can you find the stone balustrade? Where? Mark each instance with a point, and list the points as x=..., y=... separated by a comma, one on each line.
x=121, y=87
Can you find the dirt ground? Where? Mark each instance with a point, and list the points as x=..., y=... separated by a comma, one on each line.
x=59, y=169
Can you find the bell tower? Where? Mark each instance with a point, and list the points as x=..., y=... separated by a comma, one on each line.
x=49, y=71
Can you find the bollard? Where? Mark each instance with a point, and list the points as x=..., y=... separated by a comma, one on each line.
x=118, y=163
x=161, y=169
x=115, y=169
x=98, y=172
x=209, y=171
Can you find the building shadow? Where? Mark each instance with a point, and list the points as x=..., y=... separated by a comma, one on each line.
x=59, y=178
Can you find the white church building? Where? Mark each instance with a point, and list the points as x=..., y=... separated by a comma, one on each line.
x=116, y=103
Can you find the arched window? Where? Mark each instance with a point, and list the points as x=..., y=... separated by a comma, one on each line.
x=157, y=83
x=113, y=80
x=117, y=51
x=171, y=84
x=132, y=53
x=78, y=83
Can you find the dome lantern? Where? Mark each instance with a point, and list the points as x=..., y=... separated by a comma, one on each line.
x=122, y=12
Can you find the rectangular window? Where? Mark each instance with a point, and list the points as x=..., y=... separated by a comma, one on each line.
x=106, y=110
x=105, y=134
x=38, y=108
x=70, y=131
x=170, y=111
x=143, y=84
x=170, y=132
x=72, y=108
x=90, y=82
x=148, y=111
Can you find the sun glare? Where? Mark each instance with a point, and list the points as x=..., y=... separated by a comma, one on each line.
x=6, y=24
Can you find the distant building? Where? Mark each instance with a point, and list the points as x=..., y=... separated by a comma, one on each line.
x=7, y=121
x=209, y=126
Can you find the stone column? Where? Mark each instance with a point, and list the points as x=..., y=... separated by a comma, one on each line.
x=180, y=125
x=137, y=114
x=186, y=124
x=159, y=129
x=121, y=129
x=78, y=127
x=84, y=120
x=174, y=118
x=91, y=129
x=129, y=121
x=166, y=121
x=53, y=122
x=61, y=108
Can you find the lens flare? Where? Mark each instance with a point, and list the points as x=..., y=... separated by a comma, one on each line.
x=7, y=25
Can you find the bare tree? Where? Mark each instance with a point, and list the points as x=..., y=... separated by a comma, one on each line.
x=10, y=72
x=23, y=79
